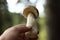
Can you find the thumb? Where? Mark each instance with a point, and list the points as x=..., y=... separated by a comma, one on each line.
x=22, y=28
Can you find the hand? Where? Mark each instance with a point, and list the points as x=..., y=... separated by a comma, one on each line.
x=16, y=33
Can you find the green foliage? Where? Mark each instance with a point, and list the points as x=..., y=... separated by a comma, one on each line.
x=42, y=31
x=3, y=13
x=10, y=19
x=17, y=18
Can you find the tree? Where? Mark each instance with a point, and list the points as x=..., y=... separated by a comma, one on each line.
x=52, y=19
x=2, y=10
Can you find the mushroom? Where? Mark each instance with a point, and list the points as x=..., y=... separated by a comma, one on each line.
x=31, y=14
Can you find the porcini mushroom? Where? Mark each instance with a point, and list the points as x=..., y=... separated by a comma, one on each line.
x=31, y=14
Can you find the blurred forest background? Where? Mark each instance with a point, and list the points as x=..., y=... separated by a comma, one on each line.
x=8, y=19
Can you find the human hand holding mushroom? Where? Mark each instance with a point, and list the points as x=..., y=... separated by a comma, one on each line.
x=22, y=31
x=31, y=14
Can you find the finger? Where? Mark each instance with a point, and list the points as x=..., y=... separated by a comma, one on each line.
x=31, y=38
x=21, y=36
x=13, y=32
x=22, y=28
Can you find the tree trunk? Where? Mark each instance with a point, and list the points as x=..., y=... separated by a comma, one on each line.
x=53, y=22
x=5, y=18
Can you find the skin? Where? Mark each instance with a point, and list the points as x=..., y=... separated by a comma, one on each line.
x=16, y=32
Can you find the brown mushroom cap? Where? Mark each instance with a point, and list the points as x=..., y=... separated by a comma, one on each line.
x=30, y=9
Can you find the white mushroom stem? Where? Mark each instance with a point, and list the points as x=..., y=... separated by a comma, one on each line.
x=31, y=21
